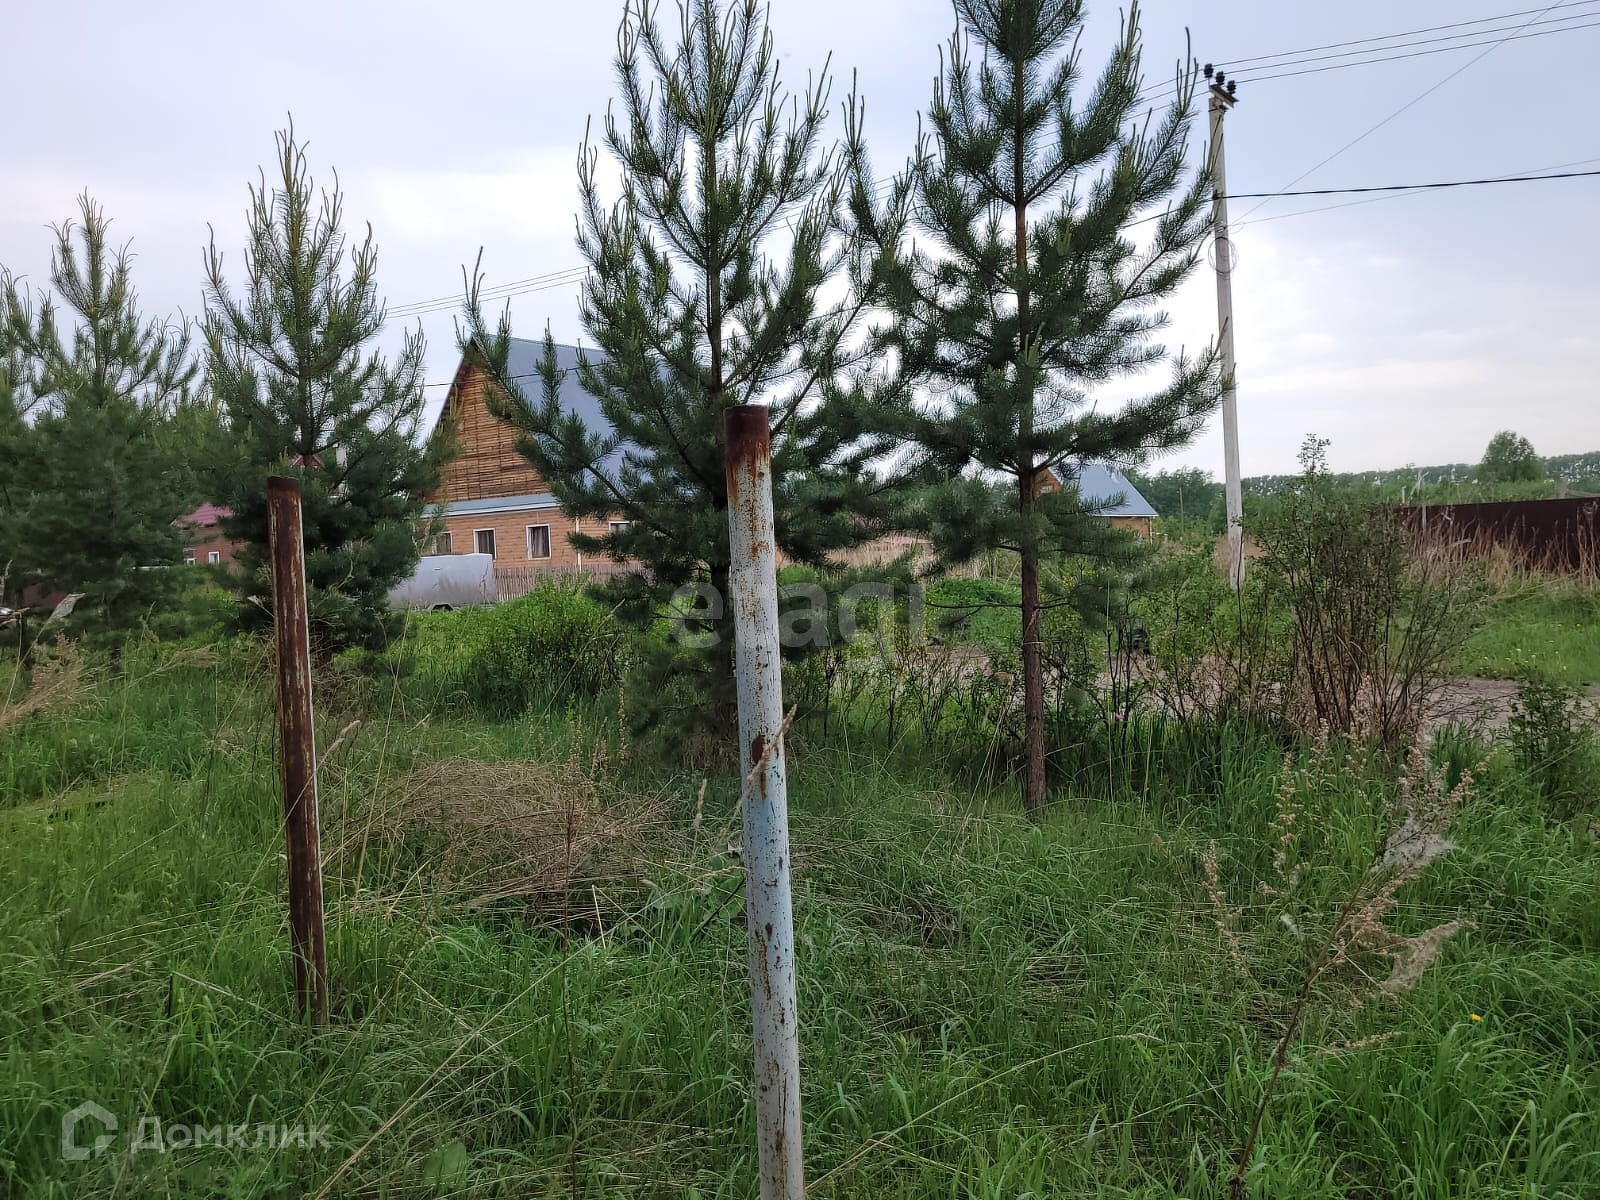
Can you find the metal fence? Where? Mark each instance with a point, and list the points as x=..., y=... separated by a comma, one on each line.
x=1549, y=535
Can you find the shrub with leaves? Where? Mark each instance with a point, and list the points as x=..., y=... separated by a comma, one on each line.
x=1215, y=655
x=1376, y=620
x=1551, y=736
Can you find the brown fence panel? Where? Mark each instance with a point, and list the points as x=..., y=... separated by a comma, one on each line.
x=1551, y=535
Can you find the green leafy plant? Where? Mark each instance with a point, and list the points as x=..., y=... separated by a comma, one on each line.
x=1376, y=619
x=1551, y=736
x=1510, y=458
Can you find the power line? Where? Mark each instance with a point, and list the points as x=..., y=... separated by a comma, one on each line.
x=1414, y=187
x=1375, y=52
x=1233, y=64
x=1534, y=173
x=1417, y=99
x=508, y=378
x=1380, y=53
x=500, y=291
x=1383, y=191
x=1514, y=36
x=1379, y=189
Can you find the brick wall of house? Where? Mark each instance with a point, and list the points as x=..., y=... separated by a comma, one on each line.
x=511, y=536
x=203, y=543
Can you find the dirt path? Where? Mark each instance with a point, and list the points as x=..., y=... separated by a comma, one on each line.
x=1482, y=703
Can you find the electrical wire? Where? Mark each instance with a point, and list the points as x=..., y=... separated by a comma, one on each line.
x=1377, y=50
x=1380, y=53
x=1534, y=173
x=1514, y=36
x=1415, y=187
x=518, y=287
x=1380, y=191
x=1415, y=100
x=1302, y=55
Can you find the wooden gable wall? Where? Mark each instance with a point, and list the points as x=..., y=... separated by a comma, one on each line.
x=486, y=463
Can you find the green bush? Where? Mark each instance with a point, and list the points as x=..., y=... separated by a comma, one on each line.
x=555, y=643
x=1551, y=740
x=200, y=613
x=1377, y=619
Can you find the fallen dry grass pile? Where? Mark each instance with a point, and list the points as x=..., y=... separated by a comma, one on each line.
x=59, y=678
x=554, y=836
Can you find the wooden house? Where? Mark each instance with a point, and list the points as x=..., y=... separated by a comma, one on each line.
x=491, y=500
x=1108, y=493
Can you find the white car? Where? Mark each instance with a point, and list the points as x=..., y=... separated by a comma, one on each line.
x=445, y=581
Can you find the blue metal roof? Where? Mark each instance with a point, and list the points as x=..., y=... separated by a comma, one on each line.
x=522, y=365
x=1108, y=491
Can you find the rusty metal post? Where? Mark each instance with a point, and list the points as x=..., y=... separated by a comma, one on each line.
x=769, y=913
x=297, y=745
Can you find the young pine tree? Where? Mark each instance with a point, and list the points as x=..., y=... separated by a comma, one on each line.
x=722, y=275
x=1025, y=288
x=16, y=398
x=93, y=483
x=289, y=361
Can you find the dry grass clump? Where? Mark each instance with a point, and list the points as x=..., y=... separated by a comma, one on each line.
x=59, y=678
x=552, y=835
x=1340, y=946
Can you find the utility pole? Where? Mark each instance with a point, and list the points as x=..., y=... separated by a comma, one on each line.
x=1222, y=99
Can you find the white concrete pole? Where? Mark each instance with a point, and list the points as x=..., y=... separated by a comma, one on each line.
x=1222, y=99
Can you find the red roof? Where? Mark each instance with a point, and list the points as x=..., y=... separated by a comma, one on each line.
x=206, y=514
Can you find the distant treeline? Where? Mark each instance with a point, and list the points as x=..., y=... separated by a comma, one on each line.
x=1191, y=494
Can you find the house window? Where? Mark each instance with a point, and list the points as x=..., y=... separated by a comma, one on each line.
x=538, y=541
x=188, y=558
x=440, y=544
x=483, y=539
x=214, y=556
x=619, y=527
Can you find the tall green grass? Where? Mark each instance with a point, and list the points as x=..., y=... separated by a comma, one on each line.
x=990, y=1008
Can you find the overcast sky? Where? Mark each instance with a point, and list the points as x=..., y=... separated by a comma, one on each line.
x=1406, y=330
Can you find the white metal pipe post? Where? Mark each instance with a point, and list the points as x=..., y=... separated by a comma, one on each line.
x=769, y=910
x=1222, y=99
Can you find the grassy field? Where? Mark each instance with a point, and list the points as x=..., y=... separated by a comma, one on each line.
x=990, y=1008
x=1551, y=630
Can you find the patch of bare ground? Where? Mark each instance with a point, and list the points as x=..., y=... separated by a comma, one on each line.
x=1483, y=704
